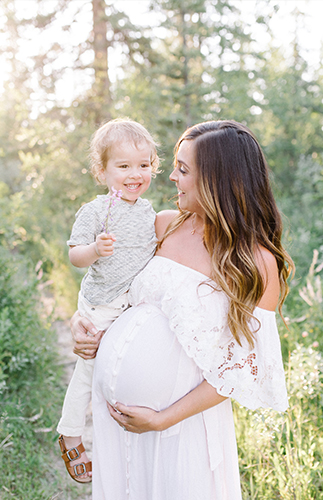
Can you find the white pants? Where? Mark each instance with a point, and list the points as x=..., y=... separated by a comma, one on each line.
x=79, y=391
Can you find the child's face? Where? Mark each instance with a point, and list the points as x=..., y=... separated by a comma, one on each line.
x=129, y=169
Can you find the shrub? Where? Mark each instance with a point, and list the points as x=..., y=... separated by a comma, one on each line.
x=29, y=383
x=281, y=453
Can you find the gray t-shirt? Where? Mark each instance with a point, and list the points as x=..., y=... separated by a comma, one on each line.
x=134, y=229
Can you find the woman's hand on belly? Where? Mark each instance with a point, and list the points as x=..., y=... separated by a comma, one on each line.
x=141, y=419
x=86, y=337
x=137, y=419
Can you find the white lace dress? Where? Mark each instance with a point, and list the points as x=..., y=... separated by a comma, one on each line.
x=173, y=337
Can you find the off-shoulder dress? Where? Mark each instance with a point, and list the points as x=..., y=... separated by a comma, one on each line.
x=174, y=336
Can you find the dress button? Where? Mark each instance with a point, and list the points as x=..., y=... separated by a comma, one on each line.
x=127, y=491
x=127, y=475
x=119, y=356
x=114, y=373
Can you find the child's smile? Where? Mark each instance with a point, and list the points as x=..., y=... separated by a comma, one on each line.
x=129, y=169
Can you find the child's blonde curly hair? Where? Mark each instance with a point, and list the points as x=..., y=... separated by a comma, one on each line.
x=120, y=129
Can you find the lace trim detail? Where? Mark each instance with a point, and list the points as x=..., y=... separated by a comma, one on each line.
x=248, y=361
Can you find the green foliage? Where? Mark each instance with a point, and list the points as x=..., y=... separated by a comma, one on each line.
x=281, y=453
x=30, y=387
x=292, y=107
x=304, y=209
x=19, y=347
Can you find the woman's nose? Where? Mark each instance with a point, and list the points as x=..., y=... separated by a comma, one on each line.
x=173, y=176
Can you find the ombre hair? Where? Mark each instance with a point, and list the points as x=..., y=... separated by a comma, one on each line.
x=240, y=216
x=115, y=132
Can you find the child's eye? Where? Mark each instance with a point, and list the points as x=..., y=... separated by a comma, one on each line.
x=145, y=165
x=123, y=166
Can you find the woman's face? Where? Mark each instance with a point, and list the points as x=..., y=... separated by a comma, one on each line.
x=185, y=176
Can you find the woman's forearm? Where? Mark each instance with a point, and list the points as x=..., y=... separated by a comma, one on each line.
x=142, y=419
x=199, y=399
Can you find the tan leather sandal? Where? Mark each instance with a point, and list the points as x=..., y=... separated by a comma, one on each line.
x=75, y=471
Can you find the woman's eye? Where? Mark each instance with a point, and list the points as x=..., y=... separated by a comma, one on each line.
x=182, y=171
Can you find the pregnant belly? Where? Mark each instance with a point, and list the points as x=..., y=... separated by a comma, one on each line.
x=140, y=361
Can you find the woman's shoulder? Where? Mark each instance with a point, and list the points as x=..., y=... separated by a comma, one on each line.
x=164, y=218
x=266, y=261
x=268, y=268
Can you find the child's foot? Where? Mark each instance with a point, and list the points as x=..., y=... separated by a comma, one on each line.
x=76, y=461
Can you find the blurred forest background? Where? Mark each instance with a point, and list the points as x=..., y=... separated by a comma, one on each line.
x=70, y=65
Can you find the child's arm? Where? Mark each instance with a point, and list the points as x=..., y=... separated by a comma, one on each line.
x=85, y=255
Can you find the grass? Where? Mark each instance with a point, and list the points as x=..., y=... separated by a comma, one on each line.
x=31, y=391
x=281, y=455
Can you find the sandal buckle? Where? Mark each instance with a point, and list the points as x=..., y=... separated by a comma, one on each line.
x=69, y=456
x=83, y=469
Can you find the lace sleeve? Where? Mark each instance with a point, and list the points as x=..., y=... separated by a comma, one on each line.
x=198, y=317
x=254, y=378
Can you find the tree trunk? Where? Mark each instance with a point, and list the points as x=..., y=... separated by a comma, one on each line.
x=188, y=117
x=101, y=86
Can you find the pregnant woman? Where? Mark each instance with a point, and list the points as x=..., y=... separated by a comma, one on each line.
x=201, y=330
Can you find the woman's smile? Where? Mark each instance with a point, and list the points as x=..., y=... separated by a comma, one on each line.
x=185, y=176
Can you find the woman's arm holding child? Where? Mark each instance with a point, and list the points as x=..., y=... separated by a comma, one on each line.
x=86, y=337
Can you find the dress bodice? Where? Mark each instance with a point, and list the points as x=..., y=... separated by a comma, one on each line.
x=197, y=315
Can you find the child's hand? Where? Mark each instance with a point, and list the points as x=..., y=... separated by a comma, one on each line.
x=104, y=244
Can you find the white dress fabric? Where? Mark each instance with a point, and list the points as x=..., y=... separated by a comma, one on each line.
x=173, y=337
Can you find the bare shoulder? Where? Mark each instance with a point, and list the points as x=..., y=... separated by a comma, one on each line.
x=164, y=218
x=266, y=262
x=267, y=265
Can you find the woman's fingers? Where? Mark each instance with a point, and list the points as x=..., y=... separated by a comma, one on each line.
x=134, y=418
x=85, y=352
x=118, y=417
x=125, y=410
x=82, y=328
x=86, y=337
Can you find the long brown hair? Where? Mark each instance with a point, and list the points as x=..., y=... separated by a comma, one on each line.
x=240, y=215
